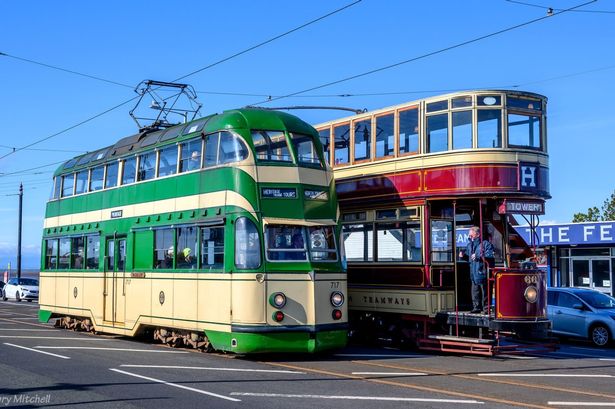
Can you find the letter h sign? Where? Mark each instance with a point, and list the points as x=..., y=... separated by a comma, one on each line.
x=528, y=176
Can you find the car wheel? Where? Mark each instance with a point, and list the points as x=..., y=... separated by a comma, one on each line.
x=17, y=298
x=599, y=335
x=4, y=296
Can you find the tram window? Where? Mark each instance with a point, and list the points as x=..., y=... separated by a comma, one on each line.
x=129, y=171
x=247, y=244
x=362, y=140
x=285, y=243
x=51, y=254
x=195, y=126
x=409, y=131
x=385, y=136
x=232, y=149
x=441, y=241
x=523, y=103
x=322, y=243
x=437, y=106
x=92, y=252
x=358, y=242
x=325, y=140
x=398, y=241
x=489, y=100
x=186, y=254
x=57, y=187
x=305, y=148
x=68, y=183
x=96, y=178
x=167, y=164
x=462, y=130
x=190, y=155
x=64, y=257
x=211, y=149
x=212, y=248
x=437, y=133
x=82, y=182
x=354, y=217
x=386, y=214
x=77, y=253
x=164, y=248
x=341, y=134
x=271, y=146
x=462, y=102
x=147, y=166
x=524, y=130
x=111, y=176
x=489, y=128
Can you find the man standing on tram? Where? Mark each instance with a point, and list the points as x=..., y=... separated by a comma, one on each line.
x=475, y=253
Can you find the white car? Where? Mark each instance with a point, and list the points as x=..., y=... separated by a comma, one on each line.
x=21, y=289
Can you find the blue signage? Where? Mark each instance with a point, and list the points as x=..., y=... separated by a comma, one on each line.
x=573, y=233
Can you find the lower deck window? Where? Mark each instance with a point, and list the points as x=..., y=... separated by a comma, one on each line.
x=285, y=243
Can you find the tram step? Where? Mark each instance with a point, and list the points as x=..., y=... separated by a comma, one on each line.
x=462, y=339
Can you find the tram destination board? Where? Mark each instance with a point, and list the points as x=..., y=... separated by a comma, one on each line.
x=279, y=193
x=521, y=207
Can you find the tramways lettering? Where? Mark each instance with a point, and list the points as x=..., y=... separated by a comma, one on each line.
x=385, y=300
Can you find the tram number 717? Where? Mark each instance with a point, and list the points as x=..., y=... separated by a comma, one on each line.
x=335, y=284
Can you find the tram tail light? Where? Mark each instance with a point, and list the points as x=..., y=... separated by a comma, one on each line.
x=278, y=316
x=336, y=314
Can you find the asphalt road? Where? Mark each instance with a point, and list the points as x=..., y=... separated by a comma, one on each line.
x=41, y=366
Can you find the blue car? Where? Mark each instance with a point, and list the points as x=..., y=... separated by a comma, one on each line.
x=582, y=313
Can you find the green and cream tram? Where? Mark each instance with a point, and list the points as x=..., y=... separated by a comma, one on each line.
x=220, y=233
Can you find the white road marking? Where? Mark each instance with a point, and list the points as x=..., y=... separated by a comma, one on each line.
x=24, y=318
x=35, y=350
x=64, y=338
x=114, y=349
x=570, y=354
x=203, y=368
x=376, y=355
x=607, y=359
x=376, y=398
x=29, y=329
x=547, y=375
x=175, y=385
x=581, y=403
x=390, y=373
x=516, y=356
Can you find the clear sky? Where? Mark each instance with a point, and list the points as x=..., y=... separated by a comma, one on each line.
x=570, y=58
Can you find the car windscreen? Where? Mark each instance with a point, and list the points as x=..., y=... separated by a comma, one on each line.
x=597, y=300
x=27, y=281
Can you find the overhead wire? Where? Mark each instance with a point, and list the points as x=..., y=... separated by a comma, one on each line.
x=423, y=56
x=555, y=9
x=178, y=79
x=43, y=150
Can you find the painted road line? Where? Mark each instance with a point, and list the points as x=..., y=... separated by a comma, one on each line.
x=391, y=373
x=545, y=375
x=607, y=359
x=204, y=368
x=30, y=329
x=63, y=338
x=372, y=398
x=114, y=349
x=581, y=403
x=175, y=385
x=35, y=350
x=377, y=356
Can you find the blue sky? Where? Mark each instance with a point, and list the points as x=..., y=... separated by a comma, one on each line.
x=568, y=57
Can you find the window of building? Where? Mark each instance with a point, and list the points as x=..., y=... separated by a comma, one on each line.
x=96, y=178
x=489, y=128
x=64, y=257
x=190, y=155
x=305, y=148
x=167, y=164
x=212, y=248
x=325, y=140
x=341, y=135
x=186, y=255
x=68, y=184
x=147, y=166
x=129, y=171
x=111, y=176
x=409, y=131
x=462, y=130
x=164, y=248
x=247, y=244
x=385, y=135
x=437, y=133
x=362, y=140
x=82, y=182
x=271, y=146
x=524, y=131
x=358, y=242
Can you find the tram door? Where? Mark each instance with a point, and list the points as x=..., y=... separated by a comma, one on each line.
x=115, y=280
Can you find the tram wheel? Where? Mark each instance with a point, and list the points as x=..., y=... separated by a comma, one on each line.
x=599, y=335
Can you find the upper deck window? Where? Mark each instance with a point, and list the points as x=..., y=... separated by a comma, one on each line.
x=96, y=178
x=489, y=128
x=489, y=100
x=409, y=131
x=129, y=172
x=462, y=102
x=147, y=166
x=437, y=106
x=85, y=159
x=111, y=176
x=69, y=164
x=437, y=133
x=57, y=187
x=82, y=182
x=167, y=165
x=68, y=183
x=224, y=147
x=385, y=135
x=362, y=140
x=325, y=140
x=523, y=103
x=341, y=134
x=524, y=131
x=306, y=150
x=190, y=155
x=271, y=146
x=195, y=126
x=462, y=129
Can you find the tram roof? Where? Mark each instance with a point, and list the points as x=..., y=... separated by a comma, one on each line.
x=242, y=118
x=434, y=98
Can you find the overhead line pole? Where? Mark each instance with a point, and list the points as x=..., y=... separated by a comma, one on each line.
x=19, y=231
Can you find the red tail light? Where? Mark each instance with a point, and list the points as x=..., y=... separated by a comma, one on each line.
x=278, y=316
x=336, y=314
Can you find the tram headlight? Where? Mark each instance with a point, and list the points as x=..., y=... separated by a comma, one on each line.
x=337, y=299
x=277, y=300
x=531, y=294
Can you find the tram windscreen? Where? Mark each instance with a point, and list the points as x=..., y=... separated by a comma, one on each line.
x=292, y=243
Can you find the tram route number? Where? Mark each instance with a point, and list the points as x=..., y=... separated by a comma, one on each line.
x=335, y=284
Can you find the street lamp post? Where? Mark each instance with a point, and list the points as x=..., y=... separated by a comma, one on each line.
x=19, y=231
